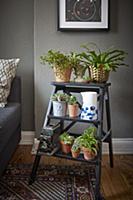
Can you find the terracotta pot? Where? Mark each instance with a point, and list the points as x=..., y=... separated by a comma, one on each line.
x=73, y=110
x=75, y=154
x=66, y=148
x=88, y=154
x=62, y=75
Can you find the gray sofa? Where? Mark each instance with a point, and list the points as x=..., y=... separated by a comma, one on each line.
x=10, y=124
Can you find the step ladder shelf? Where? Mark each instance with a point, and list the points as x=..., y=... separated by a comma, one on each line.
x=69, y=157
x=81, y=85
x=102, y=90
x=76, y=119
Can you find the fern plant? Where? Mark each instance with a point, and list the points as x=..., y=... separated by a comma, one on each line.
x=109, y=60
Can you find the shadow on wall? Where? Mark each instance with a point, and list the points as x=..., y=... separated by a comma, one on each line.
x=42, y=102
x=113, y=14
x=122, y=101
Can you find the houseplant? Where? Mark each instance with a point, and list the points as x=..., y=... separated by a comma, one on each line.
x=66, y=142
x=59, y=104
x=78, y=67
x=89, y=143
x=60, y=63
x=75, y=150
x=100, y=63
x=89, y=148
x=91, y=130
x=72, y=106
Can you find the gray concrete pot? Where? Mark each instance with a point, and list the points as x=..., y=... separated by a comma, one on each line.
x=59, y=108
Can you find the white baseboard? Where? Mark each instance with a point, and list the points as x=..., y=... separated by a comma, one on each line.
x=27, y=137
x=120, y=145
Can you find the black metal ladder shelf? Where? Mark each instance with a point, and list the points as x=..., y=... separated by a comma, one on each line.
x=104, y=136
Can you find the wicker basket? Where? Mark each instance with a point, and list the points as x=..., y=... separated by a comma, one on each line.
x=62, y=75
x=98, y=75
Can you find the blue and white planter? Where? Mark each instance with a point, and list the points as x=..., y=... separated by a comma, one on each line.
x=89, y=107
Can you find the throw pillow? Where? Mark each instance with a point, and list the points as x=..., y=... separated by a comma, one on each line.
x=7, y=73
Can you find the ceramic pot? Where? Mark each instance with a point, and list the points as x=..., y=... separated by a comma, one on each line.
x=79, y=72
x=89, y=107
x=59, y=108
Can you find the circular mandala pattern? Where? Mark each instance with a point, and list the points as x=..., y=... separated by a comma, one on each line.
x=84, y=10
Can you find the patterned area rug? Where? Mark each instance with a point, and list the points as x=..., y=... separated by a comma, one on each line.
x=52, y=183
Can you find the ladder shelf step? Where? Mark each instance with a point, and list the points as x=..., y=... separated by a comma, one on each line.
x=76, y=119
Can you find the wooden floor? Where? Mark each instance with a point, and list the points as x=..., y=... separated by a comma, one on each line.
x=117, y=182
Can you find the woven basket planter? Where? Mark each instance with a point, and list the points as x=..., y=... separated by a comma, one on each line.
x=62, y=75
x=98, y=75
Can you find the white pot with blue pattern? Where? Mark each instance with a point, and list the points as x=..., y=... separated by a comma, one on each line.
x=89, y=107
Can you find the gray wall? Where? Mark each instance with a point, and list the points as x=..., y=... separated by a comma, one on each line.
x=120, y=35
x=16, y=40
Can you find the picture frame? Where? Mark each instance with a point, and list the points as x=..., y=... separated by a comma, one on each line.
x=83, y=15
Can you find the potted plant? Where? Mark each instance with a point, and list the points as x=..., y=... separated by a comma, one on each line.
x=60, y=64
x=78, y=67
x=89, y=148
x=72, y=106
x=66, y=142
x=91, y=130
x=100, y=63
x=59, y=104
x=89, y=143
x=75, y=150
x=86, y=79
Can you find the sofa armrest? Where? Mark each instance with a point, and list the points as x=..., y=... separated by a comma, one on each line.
x=15, y=92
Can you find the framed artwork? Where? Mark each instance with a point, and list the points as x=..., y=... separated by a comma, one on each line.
x=83, y=14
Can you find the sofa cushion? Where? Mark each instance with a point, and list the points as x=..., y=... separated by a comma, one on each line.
x=9, y=121
x=7, y=73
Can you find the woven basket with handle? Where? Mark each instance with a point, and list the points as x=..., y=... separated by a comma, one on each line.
x=98, y=74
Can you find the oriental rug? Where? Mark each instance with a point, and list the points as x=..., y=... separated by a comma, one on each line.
x=52, y=183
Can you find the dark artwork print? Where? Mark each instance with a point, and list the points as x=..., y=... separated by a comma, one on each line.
x=83, y=10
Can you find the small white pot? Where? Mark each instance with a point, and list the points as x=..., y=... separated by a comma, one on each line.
x=59, y=108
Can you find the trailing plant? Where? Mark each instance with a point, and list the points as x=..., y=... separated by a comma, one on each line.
x=77, y=65
x=88, y=139
x=109, y=60
x=75, y=147
x=90, y=131
x=77, y=144
x=66, y=138
x=90, y=143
